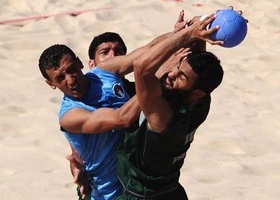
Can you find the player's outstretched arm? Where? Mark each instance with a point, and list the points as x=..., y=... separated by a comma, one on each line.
x=79, y=120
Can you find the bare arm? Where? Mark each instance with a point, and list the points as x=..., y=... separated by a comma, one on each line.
x=79, y=172
x=100, y=120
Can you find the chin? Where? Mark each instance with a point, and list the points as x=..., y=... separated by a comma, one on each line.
x=172, y=95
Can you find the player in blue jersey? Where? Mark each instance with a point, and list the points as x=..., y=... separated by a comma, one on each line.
x=102, y=47
x=108, y=45
x=79, y=115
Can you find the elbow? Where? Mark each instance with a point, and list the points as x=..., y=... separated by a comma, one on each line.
x=127, y=122
x=137, y=65
x=140, y=66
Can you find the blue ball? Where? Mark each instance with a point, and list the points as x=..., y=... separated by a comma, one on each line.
x=233, y=28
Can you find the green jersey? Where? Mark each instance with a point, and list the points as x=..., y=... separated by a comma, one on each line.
x=149, y=163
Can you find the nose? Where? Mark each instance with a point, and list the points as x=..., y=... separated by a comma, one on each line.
x=70, y=79
x=111, y=53
x=174, y=73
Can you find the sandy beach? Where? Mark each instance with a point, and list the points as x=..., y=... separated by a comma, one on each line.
x=234, y=154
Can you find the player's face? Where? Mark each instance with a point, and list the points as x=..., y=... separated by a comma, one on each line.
x=108, y=50
x=68, y=77
x=180, y=78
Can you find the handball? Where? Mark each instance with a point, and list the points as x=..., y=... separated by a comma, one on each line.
x=233, y=28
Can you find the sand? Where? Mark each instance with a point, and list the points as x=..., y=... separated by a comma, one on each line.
x=235, y=152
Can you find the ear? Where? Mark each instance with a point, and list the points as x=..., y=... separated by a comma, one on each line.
x=91, y=63
x=80, y=63
x=198, y=93
x=50, y=84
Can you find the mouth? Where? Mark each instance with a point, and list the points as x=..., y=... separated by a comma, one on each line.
x=168, y=82
x=75, y=87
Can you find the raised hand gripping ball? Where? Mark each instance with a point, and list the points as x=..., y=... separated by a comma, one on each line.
x=233, y=28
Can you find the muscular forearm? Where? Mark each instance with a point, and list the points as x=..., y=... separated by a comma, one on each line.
x=159, y=39
x=105, y=119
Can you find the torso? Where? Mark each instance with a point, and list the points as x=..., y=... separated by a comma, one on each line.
x=158, y=157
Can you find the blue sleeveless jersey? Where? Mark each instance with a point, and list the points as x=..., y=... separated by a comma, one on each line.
x=99, y=151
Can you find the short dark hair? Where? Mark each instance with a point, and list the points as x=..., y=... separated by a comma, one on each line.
x=51, y=57
x=208, y=68
x=102, y=38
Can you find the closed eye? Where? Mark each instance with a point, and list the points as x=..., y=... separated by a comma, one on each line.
x=183, y=76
